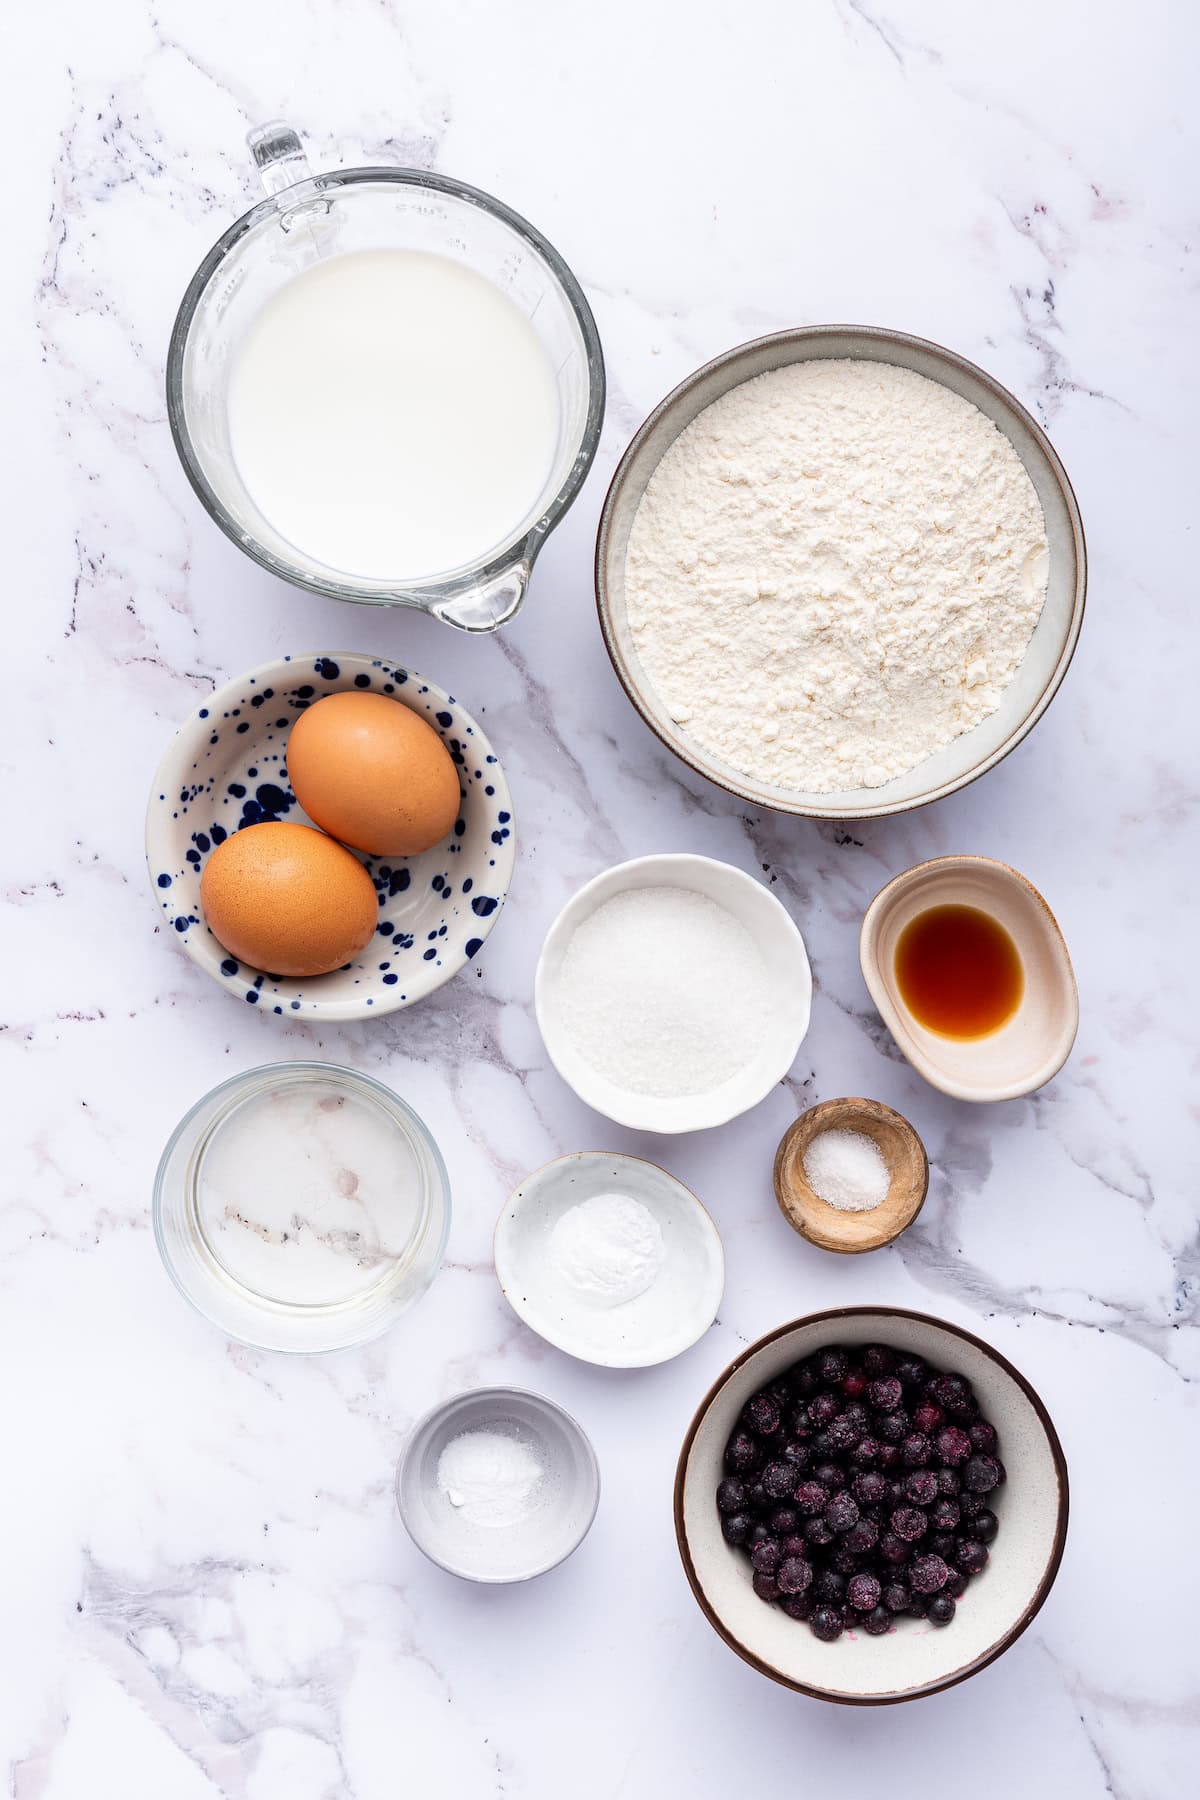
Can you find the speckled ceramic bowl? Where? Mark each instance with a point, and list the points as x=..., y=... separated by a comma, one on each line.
x=226, y=768
x=914, y=1658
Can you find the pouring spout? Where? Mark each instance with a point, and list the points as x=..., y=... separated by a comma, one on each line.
x=486, y=605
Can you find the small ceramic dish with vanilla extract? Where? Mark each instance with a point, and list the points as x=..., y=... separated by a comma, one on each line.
x=971, y=975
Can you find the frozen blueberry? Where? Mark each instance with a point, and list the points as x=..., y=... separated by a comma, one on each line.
x=826, y=1624
x=928, y=1574
x=862, y=1538
x=865, y=1453
x=878, y=1360
x=794, y=1575
x=942, y=1543
x=829, y=1587
x=877, y=1623
x=757, y=1498
x=823, y=1408
x=855, y=1385
x=766, y=1587
x=982, y=1474
x=927, y=1417
x=890, y=1428
x=767, y=1556
x=921, y=1487
x=951, y=1446
x=909, y=1523
x=896, y=1597
x=911, y=1372
x=810, y=1497
x=797, y=1606
x=948, y=1481
x=742, y=1453
x=982, y=1436
x=956, y=1584
x=830, y=1476
x=762, y=1414
x=797, y=1454
x=941, y=1609
x=863, y=1593
x=735, y=1527
x=832, y=1366
x=817, y=1533
x=785, y=1520
x=971, y=1556
x=944, y=1514
x=916, y=1450
x=869, y=1488
x=842, y=1512
x=984, y=1526
x=894, y=1549
x=731, y=1495
x=889, y=1456
x=779, y=1480
x=885, y=1394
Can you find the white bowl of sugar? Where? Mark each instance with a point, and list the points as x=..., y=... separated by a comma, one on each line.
x=673, y=992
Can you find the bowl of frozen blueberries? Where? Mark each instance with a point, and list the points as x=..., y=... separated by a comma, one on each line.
x=871, y=1505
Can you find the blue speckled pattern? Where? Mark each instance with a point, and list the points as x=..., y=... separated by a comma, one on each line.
x=227, y=768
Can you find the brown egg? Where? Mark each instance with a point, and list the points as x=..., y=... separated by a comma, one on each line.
x=371, y=772
x=287, y=899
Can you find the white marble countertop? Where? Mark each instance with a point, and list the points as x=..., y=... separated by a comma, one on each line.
x=206, y=1588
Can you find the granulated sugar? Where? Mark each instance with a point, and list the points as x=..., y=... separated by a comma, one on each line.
x=664, y=992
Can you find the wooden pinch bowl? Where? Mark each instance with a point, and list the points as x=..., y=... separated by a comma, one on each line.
x=850, y=1233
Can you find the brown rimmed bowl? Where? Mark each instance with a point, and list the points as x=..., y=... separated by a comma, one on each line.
x=1051, y=648
x=915, y=1658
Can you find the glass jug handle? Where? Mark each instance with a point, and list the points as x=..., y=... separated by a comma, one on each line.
x=278, y=156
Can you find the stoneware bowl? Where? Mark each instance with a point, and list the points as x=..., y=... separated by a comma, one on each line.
x=915, y=1658
x=827, y=1226
x=500, y=1553
x=227, y=768
x=778, y=939
x=1051, y=648
x=1033, y=1046
x=656, y=1325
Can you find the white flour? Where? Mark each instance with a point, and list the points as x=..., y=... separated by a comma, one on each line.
x=664, y=992
x=834, y=571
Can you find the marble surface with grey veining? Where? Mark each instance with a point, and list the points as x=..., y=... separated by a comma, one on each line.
x=206, y=1591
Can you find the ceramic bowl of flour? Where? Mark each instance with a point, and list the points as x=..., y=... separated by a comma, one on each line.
x=673, y=993
x=611, y=1259
x=723, y=674
x=498, y=1485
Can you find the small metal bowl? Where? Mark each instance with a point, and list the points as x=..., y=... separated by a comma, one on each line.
x=500, y=1553
x=1050, y=650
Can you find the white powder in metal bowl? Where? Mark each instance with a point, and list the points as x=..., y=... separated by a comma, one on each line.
x=664, y=992
x=834, y=571
x=490, y=1478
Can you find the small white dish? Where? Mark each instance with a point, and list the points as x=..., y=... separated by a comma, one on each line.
x=1032, y=1047
x=226, y=767
x=782, y=947
x=673, y=1312
x=556, y=1526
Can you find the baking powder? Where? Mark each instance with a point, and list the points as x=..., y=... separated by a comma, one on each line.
x=607, y=1250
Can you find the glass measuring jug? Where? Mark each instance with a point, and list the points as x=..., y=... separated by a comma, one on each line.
x=307, y=219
